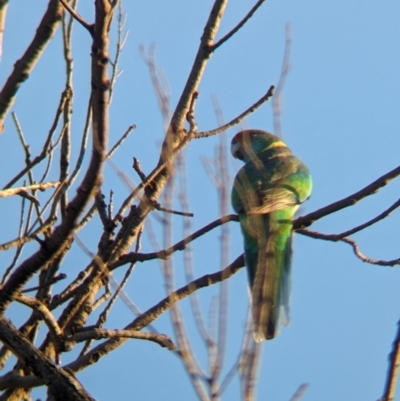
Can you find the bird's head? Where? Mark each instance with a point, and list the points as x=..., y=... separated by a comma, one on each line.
x=246, y=144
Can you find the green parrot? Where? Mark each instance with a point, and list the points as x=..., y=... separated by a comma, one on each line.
x=266, y=193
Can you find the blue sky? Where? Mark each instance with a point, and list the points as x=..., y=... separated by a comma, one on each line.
x=340, y=116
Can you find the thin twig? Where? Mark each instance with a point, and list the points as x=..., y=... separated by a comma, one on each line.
x=299, y=392
x=353, y=244
x=98, y=334
x=59, y=277
x=159, y=81
x=47, y=147
x=277, y=99
x=120, y=44
x=190, y=118
x=103, y=298
x=28, y=238
x=40, y=307
x=110, y=205
x=27, y=152
x=249, y=369
x=367, y=259
x=18, y=251
x=82, y=150
x=77, y=17
x=87, y=217
x=186, y=352
x=239, y=118
x=337, y=237
x=137, y=167
x=157, y=206
x=179, y=246
x=121, y=140
x=150, y=178
x=237, y=27
x=23, y=190
x=188, y=255
x=71, y=289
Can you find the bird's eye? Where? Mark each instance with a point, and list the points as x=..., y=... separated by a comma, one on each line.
x=235, y=147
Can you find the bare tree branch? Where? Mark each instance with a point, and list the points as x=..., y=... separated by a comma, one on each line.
x=60, y=238
x=277, y=99
x=24, y=66
x=353, y=244
x=98, y=334
x=22, y=190
x=337, y=237
x=239, y=118
x=299, y=392
x=373, y=188
x=28, y=238
x=47, y=147
x=237, y=27
x=199, y=65
x=179, y=246
x=3, y=13
x=393, y=369
x=154, y=312
x=77, y=17
x=62, y=386
x=43, y=310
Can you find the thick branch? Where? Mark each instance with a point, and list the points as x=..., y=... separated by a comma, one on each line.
x=199, y=65
x=174, y=141
x=12, y=380
x=60, y=238
x=24, y=66
x=62, y=386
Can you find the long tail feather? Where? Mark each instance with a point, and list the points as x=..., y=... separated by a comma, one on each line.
x=268, y=260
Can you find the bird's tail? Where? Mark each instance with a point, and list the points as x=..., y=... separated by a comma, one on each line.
x=269, y=269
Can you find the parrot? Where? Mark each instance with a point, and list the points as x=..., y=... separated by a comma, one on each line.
x=266, y=194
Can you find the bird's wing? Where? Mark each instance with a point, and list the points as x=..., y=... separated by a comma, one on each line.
x=275, y=199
